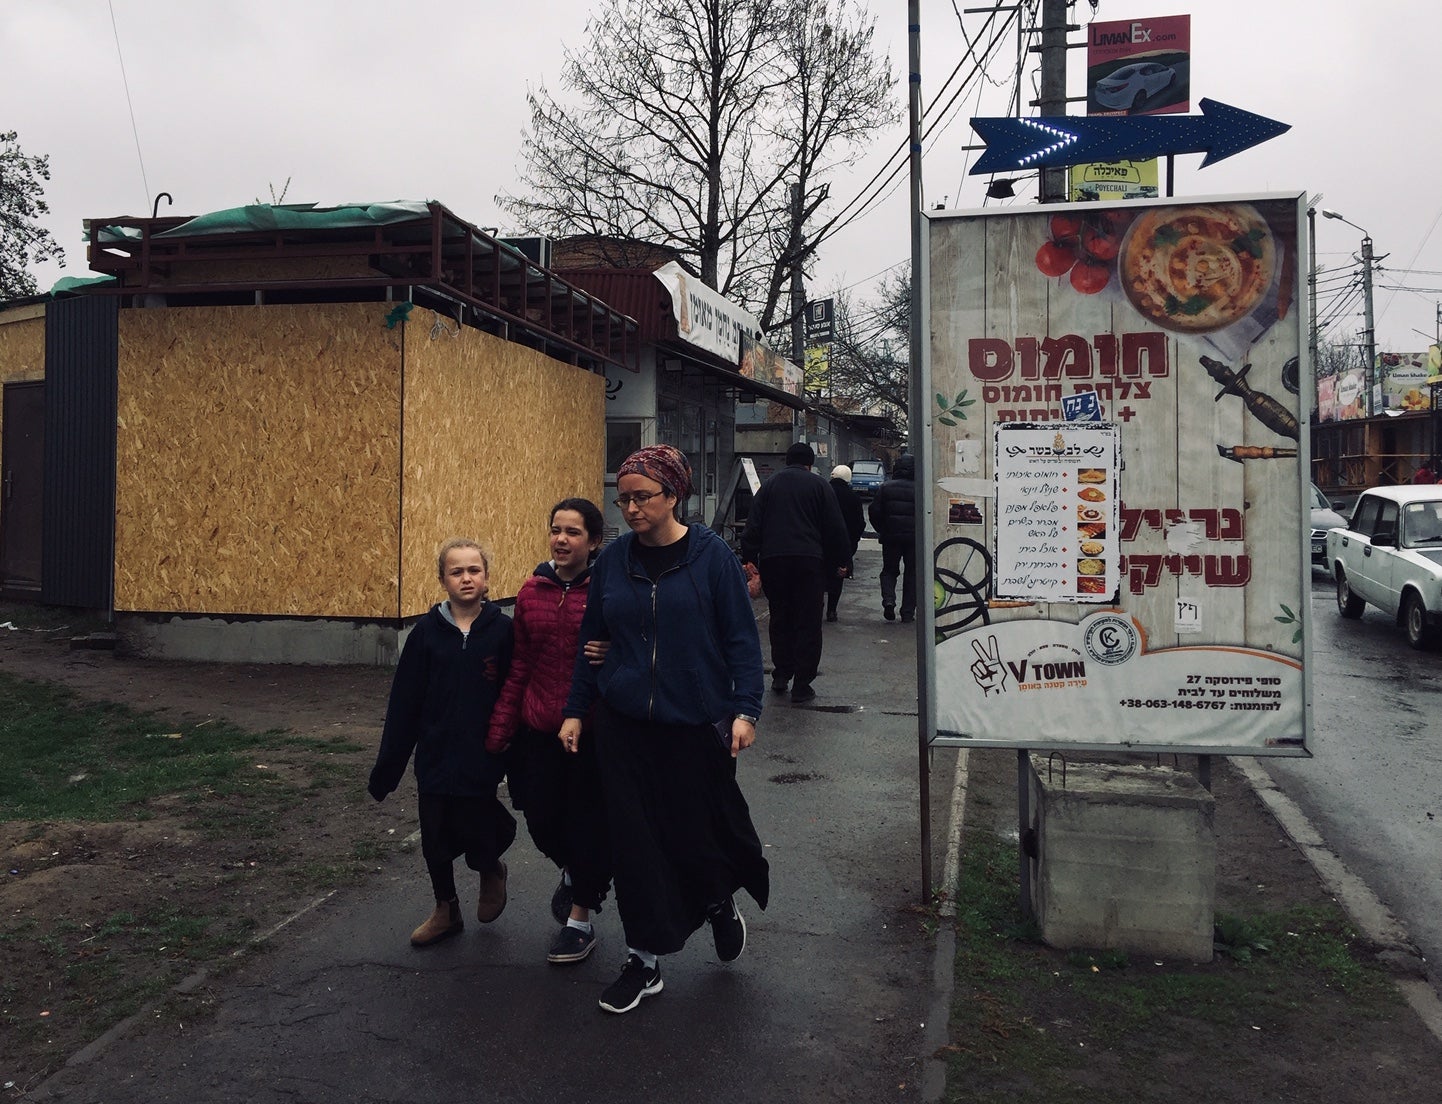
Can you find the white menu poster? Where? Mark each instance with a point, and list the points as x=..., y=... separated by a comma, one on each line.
x=1056, y=535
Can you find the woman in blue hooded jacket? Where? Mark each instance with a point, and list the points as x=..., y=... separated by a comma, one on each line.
x=676, y=700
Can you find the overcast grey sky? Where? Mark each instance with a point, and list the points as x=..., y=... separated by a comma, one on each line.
x=366, y=101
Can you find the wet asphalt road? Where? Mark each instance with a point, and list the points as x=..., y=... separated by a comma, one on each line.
x=1374, y=786
x=826, y=1004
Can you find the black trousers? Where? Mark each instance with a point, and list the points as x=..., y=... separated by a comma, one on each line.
x=834, y=585
x=893, y=555
x=795, y=589
x=559, y=793
x=479, y=828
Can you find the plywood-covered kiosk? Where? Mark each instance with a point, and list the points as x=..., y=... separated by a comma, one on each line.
x=307, y=401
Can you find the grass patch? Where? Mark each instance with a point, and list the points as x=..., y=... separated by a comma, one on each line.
x=70, y=760
x=1029, y=1022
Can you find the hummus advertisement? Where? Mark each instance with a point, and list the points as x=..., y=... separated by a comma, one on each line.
x=1116, y=392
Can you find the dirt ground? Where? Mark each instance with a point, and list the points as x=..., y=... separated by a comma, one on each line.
x=80, y=873
x=59, y=882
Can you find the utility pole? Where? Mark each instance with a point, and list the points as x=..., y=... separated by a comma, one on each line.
x=798, y=286
x=1052, y=91
x=798, y=307
x=1312, y=284
x=1371, y=372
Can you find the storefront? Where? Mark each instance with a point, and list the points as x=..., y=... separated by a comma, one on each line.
x=691, y=376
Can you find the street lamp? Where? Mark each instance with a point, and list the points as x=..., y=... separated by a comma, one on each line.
x=1366, y=300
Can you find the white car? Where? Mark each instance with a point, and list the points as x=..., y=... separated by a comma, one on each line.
x=1130, y=87
x=1390, y=556
x=1323, y=517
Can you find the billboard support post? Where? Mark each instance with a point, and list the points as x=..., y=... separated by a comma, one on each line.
x=917, y=431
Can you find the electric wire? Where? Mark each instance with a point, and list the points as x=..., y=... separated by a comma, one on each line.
x=1408, y=270
x=898, y=162
x=125, y=80
x=871, y=193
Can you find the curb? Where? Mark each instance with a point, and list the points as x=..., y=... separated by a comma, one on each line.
x=1396, y=951
x=943, y=963
x=45, y=1090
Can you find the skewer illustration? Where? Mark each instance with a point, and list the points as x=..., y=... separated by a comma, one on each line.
x=1263, y=406
x=1242, y=453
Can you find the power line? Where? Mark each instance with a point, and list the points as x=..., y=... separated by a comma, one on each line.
x=1408, y=270
x=897, y=162
x=144, y=183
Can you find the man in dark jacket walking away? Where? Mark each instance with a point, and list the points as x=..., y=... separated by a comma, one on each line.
x=795, y=535
x=850, y=504
x=893, y=516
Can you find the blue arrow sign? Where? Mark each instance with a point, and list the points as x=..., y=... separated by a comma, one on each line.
x=1220, y=131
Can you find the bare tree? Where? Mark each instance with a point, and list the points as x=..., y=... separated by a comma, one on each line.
x=22, y=241
x=687, y=122
x=870, y=362
x=1336, y=358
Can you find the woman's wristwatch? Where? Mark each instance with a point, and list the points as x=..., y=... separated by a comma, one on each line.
x=746, y=717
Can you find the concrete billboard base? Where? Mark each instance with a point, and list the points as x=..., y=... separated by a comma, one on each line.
x=1126, y=858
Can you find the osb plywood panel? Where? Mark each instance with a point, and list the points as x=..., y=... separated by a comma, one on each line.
x=22, y=347
x=495, y=435
x=257, y=466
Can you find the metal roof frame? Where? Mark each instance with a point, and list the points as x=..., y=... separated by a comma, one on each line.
x=436, y=249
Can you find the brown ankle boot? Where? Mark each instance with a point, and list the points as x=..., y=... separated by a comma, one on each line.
x=444, y=921
x=492, y=900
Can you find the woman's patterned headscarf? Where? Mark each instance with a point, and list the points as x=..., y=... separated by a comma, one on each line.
x=666, y=464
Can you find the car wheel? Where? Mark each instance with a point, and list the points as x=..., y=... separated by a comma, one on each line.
x=1139, y=103
x=1414, y=620
x=1348, y=604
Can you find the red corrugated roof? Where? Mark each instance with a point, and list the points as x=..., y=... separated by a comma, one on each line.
x=635, y=292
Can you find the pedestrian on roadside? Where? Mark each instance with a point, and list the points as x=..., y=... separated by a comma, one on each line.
x=795, y=535
x=893, y=517
x=849, y=502
x=559, y=794
x=676, y=700
x=445, y=686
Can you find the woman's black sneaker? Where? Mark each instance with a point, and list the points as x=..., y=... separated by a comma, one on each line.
x=728, y=930
x=637, y=980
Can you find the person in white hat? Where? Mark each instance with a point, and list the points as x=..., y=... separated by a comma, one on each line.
x=851, y=513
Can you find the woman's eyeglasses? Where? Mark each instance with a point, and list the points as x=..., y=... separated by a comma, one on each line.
x=640, y=498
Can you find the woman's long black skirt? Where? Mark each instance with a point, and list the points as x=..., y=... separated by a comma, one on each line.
x=681, y=833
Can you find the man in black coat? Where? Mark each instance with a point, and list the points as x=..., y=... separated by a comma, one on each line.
x=795, y=535
x=893, y=516
x=850, y=504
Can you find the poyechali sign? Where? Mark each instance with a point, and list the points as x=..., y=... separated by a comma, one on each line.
x=1148, y=577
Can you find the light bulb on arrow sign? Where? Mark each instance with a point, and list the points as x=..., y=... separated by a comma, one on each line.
x=1219, y=131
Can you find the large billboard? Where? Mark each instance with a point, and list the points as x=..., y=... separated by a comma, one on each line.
x=1120, y=556
x=1404, y=379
